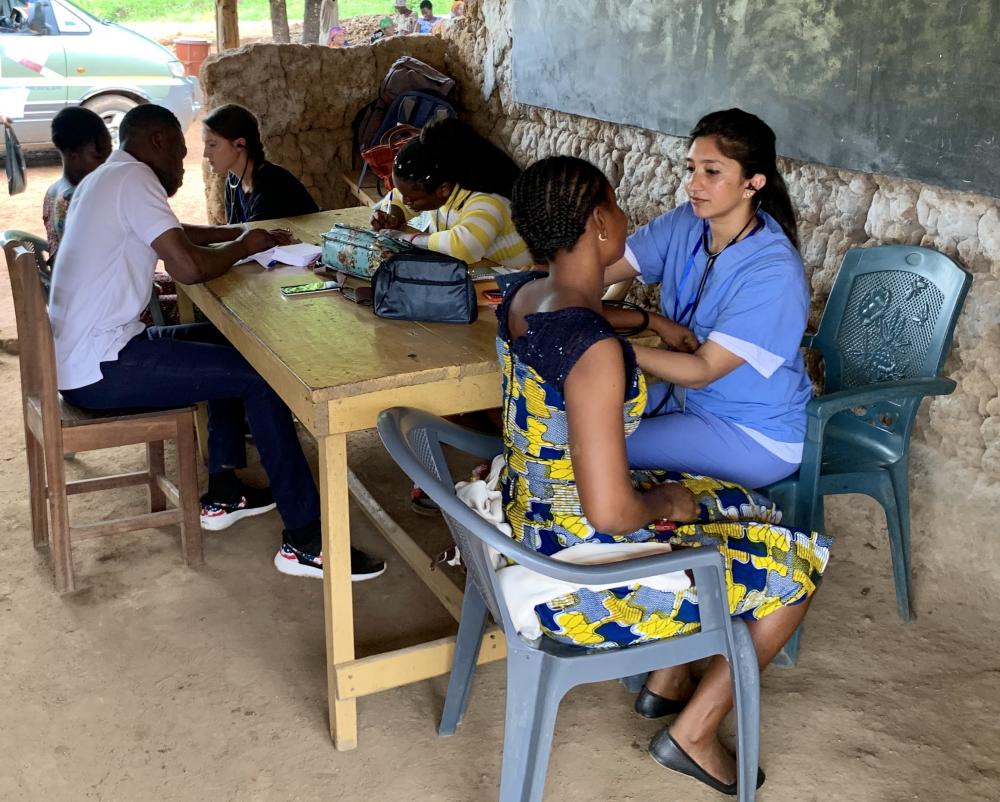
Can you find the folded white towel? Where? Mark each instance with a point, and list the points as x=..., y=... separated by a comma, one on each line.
x=523, y=588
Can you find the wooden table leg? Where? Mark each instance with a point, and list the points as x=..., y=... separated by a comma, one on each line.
x=338, y=601
x=185, y=313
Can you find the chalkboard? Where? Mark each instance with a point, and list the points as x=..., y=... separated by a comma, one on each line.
x=908, y=88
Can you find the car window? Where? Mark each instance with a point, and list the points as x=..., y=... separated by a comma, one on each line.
x=32, y=19
x=67, y=22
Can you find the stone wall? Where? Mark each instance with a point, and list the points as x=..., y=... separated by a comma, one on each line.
x=307, y=97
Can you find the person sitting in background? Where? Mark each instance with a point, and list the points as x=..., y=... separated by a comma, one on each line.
x=573, y=394
x=386, y=28
x=427, y=20
x=405, y=21
x=460, y=185
x=338, y=37
x=443, y=23
x=84, y=144
x=256, y=189
x=120, y=223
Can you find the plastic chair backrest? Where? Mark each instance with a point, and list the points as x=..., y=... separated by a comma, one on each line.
x=40, y=248
x=890, y=315
x=424, y=441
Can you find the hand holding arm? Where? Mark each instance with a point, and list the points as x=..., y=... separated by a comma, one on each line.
x=710, y=362
x=674, y=335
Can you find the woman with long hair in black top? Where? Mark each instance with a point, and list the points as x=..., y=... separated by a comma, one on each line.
x=256, y=189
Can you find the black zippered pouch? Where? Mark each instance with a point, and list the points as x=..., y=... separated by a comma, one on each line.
x=423, y=285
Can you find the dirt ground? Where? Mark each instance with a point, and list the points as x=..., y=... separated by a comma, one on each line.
x=156, y=682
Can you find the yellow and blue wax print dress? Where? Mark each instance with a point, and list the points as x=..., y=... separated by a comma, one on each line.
x=767, y=566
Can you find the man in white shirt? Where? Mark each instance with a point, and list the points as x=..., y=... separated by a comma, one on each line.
x=119, y=225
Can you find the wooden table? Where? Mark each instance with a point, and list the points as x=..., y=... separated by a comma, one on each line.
x=337, y=366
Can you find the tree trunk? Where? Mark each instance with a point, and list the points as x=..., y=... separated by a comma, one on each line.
x=227, y=25
x=279, y=21
x=310, y=25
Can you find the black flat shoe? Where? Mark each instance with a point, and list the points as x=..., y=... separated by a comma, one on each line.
x=665, y=751
x=651, y=705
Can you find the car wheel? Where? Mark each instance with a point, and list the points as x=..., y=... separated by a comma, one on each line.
x=111, y=109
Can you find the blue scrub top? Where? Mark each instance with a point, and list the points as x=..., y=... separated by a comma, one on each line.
x=755, y=304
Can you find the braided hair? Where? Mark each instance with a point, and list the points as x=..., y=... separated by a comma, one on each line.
x=552, y=202
x=749, y=140
x=450, y=151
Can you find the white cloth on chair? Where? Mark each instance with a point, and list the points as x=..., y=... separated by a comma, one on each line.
x=524, y=588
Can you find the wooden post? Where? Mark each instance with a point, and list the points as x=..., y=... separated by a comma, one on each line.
x=227, y=25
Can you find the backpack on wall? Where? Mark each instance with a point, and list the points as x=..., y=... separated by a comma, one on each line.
x=406, y=75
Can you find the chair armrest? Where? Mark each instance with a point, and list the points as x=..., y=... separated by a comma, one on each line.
x=826, y=406
x=393, y=423
x=624, y=572
x=478, y=444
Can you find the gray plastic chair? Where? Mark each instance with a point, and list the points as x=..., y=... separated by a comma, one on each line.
x=540, y=673
x=884, y=337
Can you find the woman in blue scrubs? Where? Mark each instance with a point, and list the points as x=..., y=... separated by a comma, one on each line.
x=732, y=399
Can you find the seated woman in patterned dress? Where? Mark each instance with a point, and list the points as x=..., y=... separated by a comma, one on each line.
x=572, y=395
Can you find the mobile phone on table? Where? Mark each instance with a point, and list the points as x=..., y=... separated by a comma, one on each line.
x=310, y=288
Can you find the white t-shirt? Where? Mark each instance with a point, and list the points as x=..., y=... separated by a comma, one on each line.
x=103, y=277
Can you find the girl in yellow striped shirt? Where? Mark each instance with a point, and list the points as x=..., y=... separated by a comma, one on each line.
x=462, y=183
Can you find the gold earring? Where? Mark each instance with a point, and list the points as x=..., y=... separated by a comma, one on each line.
x=603, y=236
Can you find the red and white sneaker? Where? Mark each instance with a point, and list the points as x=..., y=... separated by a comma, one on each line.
x=219, y=515
x=290, y=560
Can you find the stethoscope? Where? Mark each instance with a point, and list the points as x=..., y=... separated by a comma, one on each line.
x=686, y=315
x=237, y=189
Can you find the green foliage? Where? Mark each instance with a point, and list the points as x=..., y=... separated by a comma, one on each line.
x=204, y=10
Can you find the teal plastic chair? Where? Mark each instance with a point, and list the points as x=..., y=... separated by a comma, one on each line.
x=541, y=672
x=884, y=338
x=40, y=247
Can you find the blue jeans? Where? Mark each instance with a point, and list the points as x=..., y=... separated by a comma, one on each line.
x=170, y=366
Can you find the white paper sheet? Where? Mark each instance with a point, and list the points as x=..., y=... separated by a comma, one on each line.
x=301, y=254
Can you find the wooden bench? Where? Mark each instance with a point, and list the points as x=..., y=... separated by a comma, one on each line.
x=367, y=193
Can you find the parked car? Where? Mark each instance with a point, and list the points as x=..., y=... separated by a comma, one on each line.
x=54, y=54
